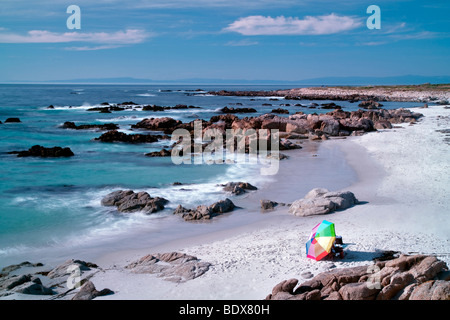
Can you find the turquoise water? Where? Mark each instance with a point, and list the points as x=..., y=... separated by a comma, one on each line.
x=55, y=203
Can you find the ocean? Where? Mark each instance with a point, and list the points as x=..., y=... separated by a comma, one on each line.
x=50, y=207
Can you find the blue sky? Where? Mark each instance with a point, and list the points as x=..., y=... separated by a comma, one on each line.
x=222, y=39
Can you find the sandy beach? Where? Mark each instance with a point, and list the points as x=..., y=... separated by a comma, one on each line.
x=403, y=179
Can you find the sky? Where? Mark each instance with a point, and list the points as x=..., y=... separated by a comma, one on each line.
x=222, y=39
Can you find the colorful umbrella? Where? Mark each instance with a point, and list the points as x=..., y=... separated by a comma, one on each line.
x=321, y=240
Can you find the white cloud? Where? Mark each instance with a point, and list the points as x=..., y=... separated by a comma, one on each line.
x=309, y=25
x=242, y=43
x=86, y=48
x=129, y=36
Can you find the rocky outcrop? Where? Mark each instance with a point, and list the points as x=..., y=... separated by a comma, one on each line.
x=203, y=212
x=172, y=266
x=106, y=126
x=43, y=152
x=6, y=270
x=238, y=188
x=61, y=282
x=25, y=284
x=62, y=269
x=117, y=136
x=128, y=201
x=322, y=201
x=403, y=278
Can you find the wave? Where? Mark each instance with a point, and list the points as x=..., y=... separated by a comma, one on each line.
x=122, y=118
x=146, y=95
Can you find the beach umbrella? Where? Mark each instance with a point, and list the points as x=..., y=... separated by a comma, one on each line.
x=321, y=240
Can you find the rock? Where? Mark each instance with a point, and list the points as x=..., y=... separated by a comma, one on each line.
x=370, y=104
x=34, y=287
x=358, y=291
x=128, y=201
x=107, y=109
x=285, y=286
x=238, y=110
x=402, y=278
x=40, y=151
x=12, y=120
x=106, y=126
x=286, y=144
x=10, y=282
x=432, y=290
x=268, y=205
x=6, y=270
x=238, y=187
x=62, y=269
x=382, y=124
x=172, y=266
x=89, y=292
x=280, y=110
x=330, y=127
x=157, y=124
x=203, y=212
x=222, y=206
x=162, y=153
x=117, y=136
x=321, y=201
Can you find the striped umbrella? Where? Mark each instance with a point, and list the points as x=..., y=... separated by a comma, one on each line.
x=321, y=240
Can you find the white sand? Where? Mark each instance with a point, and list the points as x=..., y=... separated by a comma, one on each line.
x=403, y=182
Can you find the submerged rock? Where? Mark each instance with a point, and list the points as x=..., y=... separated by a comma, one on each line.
x=12, y=120
x=40, y=151
x=238, y=110
x=117, y=136
x=322, y=201
x=106, y=126
x=162, y=153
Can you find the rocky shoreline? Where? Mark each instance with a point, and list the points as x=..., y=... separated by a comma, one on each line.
x=421, y=93
x=392, y=276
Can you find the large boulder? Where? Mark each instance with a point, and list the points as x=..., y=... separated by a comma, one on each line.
x=321, y=201
x=203, y=212
x=128, y=201
x=172, y=266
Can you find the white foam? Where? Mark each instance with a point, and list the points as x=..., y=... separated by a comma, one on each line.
x=146, y=95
